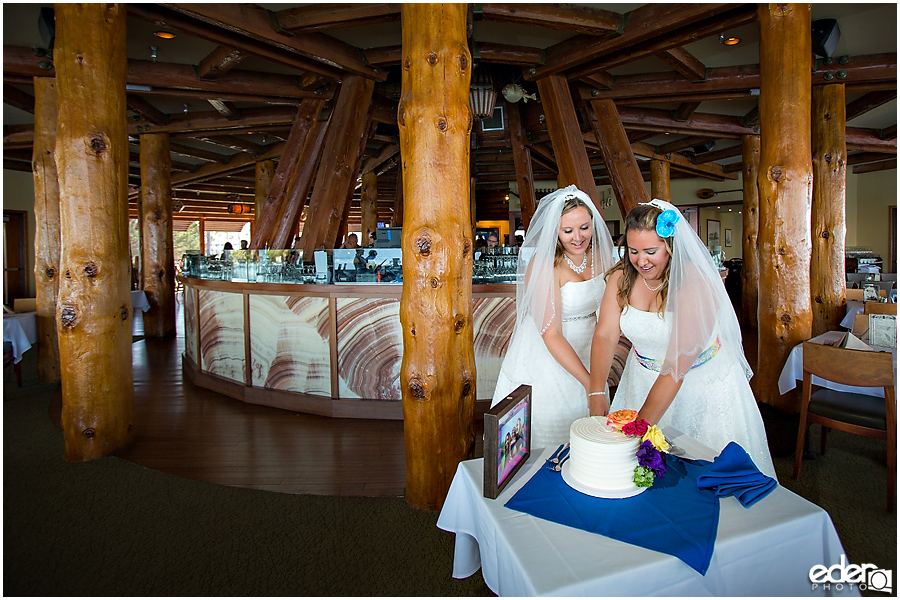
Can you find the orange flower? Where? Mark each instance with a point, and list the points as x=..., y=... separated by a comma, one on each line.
x=620, y=418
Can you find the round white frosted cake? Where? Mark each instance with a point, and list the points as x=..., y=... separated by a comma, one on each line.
x=601, y=459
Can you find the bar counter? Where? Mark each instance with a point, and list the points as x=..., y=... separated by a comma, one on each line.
x=331, y=350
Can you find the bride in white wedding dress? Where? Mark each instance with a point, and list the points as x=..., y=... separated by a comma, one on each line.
x=687, y=367
x=566, y=251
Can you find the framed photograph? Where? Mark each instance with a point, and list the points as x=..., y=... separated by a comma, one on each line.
x=507, y=440
x=713, y=233
x=727, y=237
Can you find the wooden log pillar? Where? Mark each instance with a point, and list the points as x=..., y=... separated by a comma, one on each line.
x=265, y=171
x=339, y=165
x=201, y=231
x=828, y=286
x=369, y=204
x=267, y=218
x=625, y=176
x=750, y=232
x=46, y=228
x=522, y=162
x=292, y=208
x=93, y=316
x=157, y=253
x=437, y=375
x=565, y=135
x=660, y=180
x=785, y=193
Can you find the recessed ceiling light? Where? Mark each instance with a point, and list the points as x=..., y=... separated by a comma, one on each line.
x=730, y=40
x=166, y=35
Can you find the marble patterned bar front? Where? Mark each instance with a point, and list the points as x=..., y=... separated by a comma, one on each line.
x=323, y=349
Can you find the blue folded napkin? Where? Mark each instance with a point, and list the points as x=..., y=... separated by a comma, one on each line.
x=674, y=516
x=733, y=473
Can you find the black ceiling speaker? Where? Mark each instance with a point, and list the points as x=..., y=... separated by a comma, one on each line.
x=47, y=27
x=825, y=36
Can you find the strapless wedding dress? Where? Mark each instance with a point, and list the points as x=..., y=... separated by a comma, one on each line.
x=715, y=404
x=558, y=399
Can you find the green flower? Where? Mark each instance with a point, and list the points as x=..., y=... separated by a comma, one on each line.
x=643, y=477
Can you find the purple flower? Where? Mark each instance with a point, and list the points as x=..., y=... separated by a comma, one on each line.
x=648, y=456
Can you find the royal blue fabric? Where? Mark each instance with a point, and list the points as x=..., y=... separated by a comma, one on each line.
x=674, y=516
x=733, y=473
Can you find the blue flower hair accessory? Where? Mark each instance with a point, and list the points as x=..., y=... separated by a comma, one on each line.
x=665, y=223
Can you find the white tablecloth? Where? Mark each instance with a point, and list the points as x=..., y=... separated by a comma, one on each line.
x=854, y=307
x=766, y=550
x=139, y=300
x=793, y=369
x=20, y=329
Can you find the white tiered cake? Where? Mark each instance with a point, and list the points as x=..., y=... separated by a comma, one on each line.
x=601, y=460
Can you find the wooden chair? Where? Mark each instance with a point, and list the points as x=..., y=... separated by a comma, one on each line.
x=854, y=413
x=880, y=308
x=855, y=294
x=25, y=304
x=861, y=327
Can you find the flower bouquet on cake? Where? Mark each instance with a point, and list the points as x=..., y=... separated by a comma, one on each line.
x=651, y=453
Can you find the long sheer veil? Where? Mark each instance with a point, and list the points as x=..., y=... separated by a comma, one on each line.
x=535, y=304
x=698, y=305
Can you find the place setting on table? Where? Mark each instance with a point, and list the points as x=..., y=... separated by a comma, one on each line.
x=627, y=509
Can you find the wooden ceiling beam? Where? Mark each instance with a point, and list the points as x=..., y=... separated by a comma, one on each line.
x=251, y=118
x=508, y=54
x=716, y=155
x=563, y=17
x=736, y=16
x=145, y=110
x=218, y=62
x=698, y=124
x=199, y=153
x=683, y=163
x=641, y=25
x=177, y=22
x=870, y=101
x=325, y=16
x=383, y=56
x=681, y=144
x=684, y=112
x=226, y=109
x=256, y=23
x=865, y=157
x=17, y=98
x=684, y=63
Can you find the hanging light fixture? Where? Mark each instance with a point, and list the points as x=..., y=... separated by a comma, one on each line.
x=482, y=96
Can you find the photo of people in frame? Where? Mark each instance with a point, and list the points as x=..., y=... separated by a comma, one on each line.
x=512, y=440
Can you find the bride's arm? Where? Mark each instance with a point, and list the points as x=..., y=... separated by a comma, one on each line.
x=603, y=345
x=559, y=346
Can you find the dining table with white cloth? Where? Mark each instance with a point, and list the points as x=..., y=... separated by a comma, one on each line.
x=139, y=300
x=767, y=549
x=792, y=372
x=20, y=330
x=854, y=307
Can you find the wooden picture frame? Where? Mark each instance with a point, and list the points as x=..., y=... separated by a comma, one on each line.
x=713, y=233
x=507, y=440
x=727, y=238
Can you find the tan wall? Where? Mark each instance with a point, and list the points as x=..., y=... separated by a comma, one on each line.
x=875, y=194
x=18, y=194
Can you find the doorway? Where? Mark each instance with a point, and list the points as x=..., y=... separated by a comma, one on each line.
x=15, y=261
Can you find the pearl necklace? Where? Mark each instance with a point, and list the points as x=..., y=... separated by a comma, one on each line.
x=579, y=269
x=650, y=288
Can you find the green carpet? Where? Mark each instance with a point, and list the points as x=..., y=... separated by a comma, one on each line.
x=112, y=528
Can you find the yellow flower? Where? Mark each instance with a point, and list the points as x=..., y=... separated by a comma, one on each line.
x=657, y=438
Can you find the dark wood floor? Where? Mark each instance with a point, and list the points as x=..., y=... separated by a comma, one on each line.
x=192, y=432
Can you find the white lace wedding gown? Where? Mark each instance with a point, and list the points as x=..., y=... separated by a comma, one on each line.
x=558, y=398
x=715, y=404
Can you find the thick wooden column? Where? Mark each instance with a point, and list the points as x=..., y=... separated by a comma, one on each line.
x=93, y=316
x=265, y=171
x=437, y=375
x=624, y=173
x=750, y=232
x=828, y=286
x=292, y=207
x=267, y=217
x=157, y=254
x=565, y=135
x=336, y=177
x=660, y=183
x=46, y=228
x=369, y=203
x=785, y=193
x=522, y=162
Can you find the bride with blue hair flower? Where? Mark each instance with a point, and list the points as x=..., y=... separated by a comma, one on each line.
x=687, y=367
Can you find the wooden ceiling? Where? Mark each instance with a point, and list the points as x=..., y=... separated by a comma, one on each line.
x=228, y=86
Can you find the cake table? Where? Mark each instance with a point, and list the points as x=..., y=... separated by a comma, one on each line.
x=765, y=550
